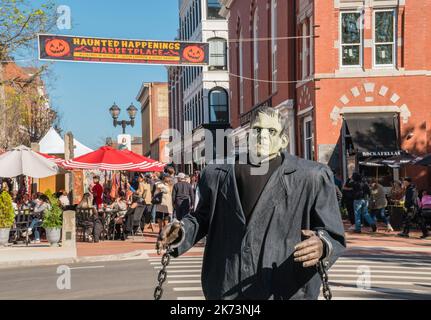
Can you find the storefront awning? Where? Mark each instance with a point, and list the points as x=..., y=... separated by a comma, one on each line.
x=374, y=134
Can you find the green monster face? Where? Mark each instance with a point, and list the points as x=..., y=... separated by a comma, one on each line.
x=267, y=138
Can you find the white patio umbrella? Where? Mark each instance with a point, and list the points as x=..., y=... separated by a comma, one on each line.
x=24, y=161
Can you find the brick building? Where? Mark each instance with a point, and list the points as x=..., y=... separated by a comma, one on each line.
x=153, y=98
x=361, y=70
x=199, y=96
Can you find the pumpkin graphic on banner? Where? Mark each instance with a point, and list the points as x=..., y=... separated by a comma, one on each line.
x=194, y=54
x=57, y=48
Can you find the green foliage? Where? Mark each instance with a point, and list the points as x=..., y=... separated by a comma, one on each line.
x=21, y=21
x=7, y=214
x=53, y=218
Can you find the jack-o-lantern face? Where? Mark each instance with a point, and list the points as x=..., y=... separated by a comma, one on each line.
x=57, y=48
x=194, y=54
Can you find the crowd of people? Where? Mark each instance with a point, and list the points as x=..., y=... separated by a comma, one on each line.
x=147, y=199
x=366, y=202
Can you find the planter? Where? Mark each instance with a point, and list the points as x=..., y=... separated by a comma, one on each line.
x=53, y=236
x=4, y=237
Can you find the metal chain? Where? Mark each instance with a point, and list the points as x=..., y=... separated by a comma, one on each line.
x=163, y=274
x=327, y=294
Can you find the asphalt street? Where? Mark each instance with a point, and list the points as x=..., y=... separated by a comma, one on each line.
x=352, y=278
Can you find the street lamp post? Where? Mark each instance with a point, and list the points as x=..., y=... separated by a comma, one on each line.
x=115, y=113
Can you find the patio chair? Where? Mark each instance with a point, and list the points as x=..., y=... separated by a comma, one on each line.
x=83, y=220
x=137, y=220
x=21, y=225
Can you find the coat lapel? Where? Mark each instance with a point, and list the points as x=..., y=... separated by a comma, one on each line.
x=229, y=191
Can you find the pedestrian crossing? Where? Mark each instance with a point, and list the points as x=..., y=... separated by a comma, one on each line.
x=351, y=278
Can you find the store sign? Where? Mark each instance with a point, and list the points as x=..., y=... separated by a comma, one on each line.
x=381, y=153
x=103, y=50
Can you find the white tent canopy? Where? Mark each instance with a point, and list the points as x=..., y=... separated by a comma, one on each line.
x=52, y=143
x=24, y=161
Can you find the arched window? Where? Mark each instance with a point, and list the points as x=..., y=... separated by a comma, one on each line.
x=219, y=106
x=218, y=54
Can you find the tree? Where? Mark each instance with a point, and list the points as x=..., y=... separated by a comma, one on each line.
x=24, y=112
x=20, y=23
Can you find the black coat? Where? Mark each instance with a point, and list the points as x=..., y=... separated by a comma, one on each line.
x=255, y=261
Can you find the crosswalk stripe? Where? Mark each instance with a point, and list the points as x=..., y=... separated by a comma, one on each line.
x=353, y=282
x=179, y=276
x=364, y=262
x=382, y=268
x=188, y=289
x=177, y=263
x=197, y=271
x=184, y=281
x=380, y=277
x=178, y=267
x=358, y=298
x=191, y=298
x=348, y=271
x=400, y=259
x=376, y=290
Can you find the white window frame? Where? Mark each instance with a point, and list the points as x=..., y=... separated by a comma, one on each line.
x=361, y=44
x=305, y=139
x=214, y=54
x=241, y=73
x=274, y=44
x=256, y=55
x=394, y=43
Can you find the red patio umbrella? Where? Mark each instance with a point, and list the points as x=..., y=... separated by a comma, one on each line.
x=145, y=164
x=55, y=159
x=108, y=158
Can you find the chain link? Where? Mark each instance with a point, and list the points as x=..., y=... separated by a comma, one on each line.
x=327, y=294
x=163, y=274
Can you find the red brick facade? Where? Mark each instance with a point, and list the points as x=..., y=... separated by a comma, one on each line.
x=325, y=90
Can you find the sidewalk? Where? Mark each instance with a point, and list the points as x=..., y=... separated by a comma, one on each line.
x=42, y=254
x=380, y=243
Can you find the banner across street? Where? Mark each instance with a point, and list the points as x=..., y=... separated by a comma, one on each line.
x=106, y=50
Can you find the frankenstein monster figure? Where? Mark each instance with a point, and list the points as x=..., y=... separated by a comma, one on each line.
x=269, y=219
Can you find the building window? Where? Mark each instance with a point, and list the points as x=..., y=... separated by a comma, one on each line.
x=384, y=37
x=198, y=5
x=311, y=45
x=351, y=39
x=218, y=54
x=304, y=53
x=218, y=105
x=308, y=142
x=213, y=10
x=274, y=35
x=256, y=56
x=241, y=74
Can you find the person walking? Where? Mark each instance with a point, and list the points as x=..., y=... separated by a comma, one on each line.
x=411, y=205
x=183, y=197
x=347, y=202
x=163, y=201
x=361, y=193
x=379, y=203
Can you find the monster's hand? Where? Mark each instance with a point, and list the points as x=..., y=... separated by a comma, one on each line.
x=310, y=251
x=171, y=235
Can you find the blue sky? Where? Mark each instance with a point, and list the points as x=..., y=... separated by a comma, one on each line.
x=83, y=93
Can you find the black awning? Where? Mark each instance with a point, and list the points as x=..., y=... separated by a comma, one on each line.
x=374, y=134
